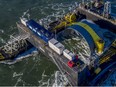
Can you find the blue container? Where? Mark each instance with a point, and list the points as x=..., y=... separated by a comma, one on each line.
x=39, y=31
x=34, y=25
x=75, y=60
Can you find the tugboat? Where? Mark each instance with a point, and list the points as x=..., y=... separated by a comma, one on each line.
x=14, y=47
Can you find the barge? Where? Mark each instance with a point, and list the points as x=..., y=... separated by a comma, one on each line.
x=92, y=30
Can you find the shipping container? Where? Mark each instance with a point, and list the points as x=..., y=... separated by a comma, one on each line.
x=33, y=24
x=69, y=55
x=56, y=46
x=39, y=30
x=60, y=48
x=53, y=41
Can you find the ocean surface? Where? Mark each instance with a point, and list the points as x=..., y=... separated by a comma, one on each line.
x=37, y=70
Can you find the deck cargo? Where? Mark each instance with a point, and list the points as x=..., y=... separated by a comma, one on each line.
x=56, y=46
x=39, y=30
x=69, y=55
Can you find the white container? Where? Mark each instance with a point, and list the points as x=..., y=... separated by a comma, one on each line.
x=56, y=46
x=59, y=48
x=23, y=21
x=69, y=55
x=53, y=41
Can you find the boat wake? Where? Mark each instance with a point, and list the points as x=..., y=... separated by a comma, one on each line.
x=55, y=80
x=60, y=80
x=31, y=52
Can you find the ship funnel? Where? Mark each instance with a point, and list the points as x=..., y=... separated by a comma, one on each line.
x=23, y=21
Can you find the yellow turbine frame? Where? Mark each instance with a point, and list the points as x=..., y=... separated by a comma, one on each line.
x=97, y=40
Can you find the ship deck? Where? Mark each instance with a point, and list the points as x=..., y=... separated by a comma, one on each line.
x=59, y=60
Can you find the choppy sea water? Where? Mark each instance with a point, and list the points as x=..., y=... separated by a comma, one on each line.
x=38, y=70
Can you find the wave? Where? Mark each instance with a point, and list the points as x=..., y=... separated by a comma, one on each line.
x=26, y=14
x=15, y=74
x=1, y=31
x=42, y=82
x=2, y=40
x=56, y=79
x=20, y=58
x=60, y=80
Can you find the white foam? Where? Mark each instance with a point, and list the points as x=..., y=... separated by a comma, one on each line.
x=18, y=80
x=15, y=74
x=43, y=82
x=1, y=31
x=2, y=40
x=60, y=80
x=34, y=53
x=25, y=13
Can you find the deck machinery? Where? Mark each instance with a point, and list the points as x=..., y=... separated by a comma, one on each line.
x=97, y=30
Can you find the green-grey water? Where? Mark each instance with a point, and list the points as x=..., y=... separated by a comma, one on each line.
x=32, y=71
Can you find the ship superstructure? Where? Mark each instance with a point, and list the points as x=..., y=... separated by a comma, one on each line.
x=81, y=43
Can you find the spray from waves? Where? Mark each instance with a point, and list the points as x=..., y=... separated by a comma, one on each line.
x=55, y=80
x=60, y=80
x=1, y=31
x=43, y=82
x=15, y=74
x=1, y=39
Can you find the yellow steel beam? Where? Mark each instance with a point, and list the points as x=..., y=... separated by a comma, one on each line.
x=89, y=29
x=61, y=25
x=69, y=18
